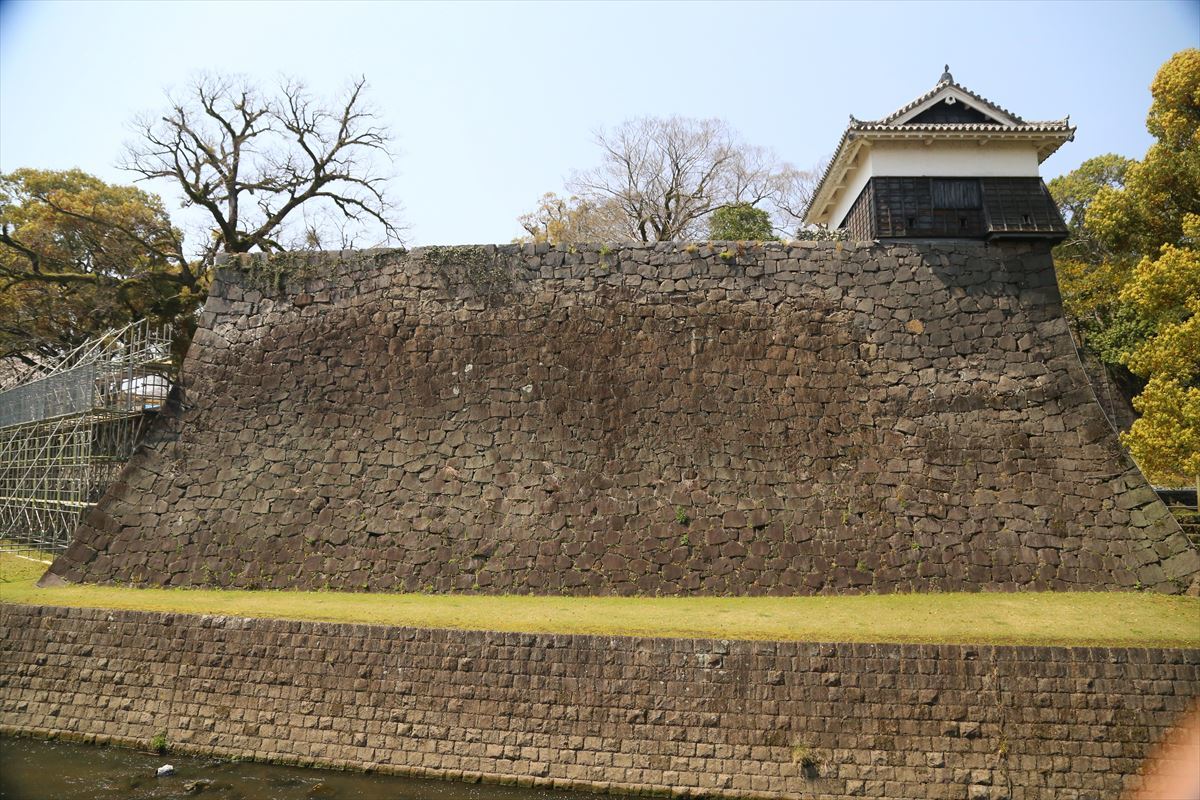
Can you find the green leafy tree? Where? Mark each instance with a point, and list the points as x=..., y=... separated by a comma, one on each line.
x=738, y=222
x=1091, y=273
x=1166, y=439
x=1154, y=219
x=1074, y=193
x=1149, y=210
x=78, y=256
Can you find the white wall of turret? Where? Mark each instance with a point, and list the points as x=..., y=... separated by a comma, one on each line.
x=940, y=159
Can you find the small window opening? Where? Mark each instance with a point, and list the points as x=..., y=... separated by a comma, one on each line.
x=1026, y=219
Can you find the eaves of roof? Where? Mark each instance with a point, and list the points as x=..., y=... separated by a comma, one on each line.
x=1053, y=126
x=858, y=132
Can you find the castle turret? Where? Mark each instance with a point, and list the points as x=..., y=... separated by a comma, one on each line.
x=948, y=164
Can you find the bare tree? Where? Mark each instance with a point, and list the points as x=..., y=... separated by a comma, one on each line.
x=664, y=174
x=558, y=220
x=667, y=175
x=794, y=190
x=252, y=160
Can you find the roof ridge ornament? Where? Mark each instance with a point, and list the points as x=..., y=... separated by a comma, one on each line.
x=946, y=76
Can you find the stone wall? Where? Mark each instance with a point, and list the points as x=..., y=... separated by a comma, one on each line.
x=730, y=719
x=792, y=419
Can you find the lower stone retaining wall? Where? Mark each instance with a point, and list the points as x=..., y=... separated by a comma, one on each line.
x=626, y=715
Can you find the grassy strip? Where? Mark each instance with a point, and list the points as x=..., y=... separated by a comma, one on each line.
x=1067, y=618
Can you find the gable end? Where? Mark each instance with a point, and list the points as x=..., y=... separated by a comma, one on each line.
x=950, y=113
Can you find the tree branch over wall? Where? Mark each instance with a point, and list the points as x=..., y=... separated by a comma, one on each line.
x=252, y=159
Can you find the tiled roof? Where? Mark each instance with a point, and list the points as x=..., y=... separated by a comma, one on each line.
x=942, y=85
x=1029, y=127
x=887, y=125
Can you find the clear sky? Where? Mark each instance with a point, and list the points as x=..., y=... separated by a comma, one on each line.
x=493, y=104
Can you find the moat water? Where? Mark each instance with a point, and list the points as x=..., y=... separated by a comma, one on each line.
x=38, y=770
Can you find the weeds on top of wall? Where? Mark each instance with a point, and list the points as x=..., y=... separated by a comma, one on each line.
x=269, y=273
x=487, y=270
x=822, y=235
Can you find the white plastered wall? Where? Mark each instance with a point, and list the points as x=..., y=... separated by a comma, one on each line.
x=942, y=159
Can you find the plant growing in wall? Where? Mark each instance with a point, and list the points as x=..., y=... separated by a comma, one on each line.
x=807, y=758
x=485, y=270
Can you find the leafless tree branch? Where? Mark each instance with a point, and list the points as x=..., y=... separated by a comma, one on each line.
x=252, y=159
x=667, y=175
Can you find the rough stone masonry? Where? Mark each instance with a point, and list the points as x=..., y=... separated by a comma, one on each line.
x=662, y=419
x=670, y=717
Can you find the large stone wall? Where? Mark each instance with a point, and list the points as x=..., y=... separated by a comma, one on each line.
x=803, y=418
x=717, y=718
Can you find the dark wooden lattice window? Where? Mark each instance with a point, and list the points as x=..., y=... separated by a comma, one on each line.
x=969, y=208
x=956, y=193
x=1021, y=205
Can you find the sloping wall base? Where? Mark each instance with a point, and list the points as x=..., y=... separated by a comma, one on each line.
x=665, y=419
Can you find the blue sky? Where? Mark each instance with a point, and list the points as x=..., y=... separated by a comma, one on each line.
x=493, y=104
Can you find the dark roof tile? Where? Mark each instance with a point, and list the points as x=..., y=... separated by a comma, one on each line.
x=941, y=85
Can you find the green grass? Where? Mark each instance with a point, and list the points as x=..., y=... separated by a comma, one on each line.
x=1061, y=618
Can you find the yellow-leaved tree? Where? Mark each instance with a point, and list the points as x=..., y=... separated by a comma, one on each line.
x=1165, y=440
x=1155, y=217
x=78, y=256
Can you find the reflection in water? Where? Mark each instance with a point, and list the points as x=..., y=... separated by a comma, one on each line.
x=37, y=770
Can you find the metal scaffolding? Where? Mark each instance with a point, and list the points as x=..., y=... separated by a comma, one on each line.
x=65, y=434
